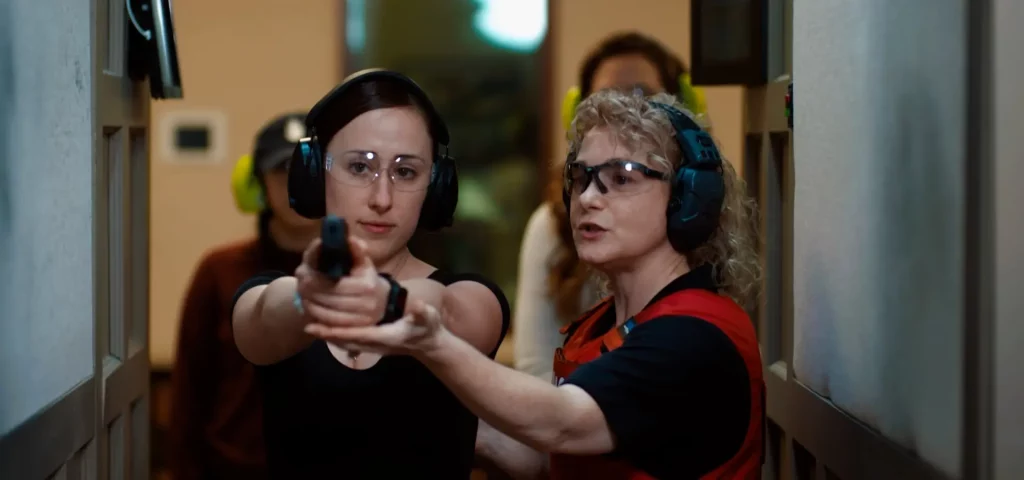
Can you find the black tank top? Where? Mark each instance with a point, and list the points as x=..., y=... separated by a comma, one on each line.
x=395, y=420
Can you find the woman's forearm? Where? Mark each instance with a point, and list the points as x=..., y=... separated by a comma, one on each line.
x=528, y=409
x=497, y=451
x=267, y=326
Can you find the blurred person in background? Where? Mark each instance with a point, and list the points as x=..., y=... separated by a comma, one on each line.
x=216, y=418
x=553, y=288
x=376, y=156
x=663, y=379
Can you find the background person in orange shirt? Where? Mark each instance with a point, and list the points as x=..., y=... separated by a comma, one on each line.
x=217, y=415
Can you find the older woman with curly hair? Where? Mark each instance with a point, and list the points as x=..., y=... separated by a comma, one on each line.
x=662, y=379
x=553, y=287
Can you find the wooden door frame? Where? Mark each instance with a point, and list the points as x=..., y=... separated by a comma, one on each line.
x=979, y=260
x=121, y=242
x=69, y=437
x=52, y=438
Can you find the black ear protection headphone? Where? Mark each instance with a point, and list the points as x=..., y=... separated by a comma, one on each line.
x=307, y=171
x=698, y=188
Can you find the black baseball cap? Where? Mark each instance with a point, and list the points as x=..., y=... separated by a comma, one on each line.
x=276, y=141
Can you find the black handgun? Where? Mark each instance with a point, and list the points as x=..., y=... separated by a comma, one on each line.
x=335, y=256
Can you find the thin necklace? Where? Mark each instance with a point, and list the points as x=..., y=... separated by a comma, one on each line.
x=401, y=265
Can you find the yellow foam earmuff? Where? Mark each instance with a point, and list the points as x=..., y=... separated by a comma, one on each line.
x=692, y=98
x=246, y=187
x=569, y=103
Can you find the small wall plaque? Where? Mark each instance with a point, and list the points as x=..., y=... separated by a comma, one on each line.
x=193, y=136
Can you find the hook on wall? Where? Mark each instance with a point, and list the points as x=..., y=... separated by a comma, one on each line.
x=147, y=34
x=789, y=105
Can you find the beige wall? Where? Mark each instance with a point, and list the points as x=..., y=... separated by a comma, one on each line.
x=580, y=24
x=249, y=60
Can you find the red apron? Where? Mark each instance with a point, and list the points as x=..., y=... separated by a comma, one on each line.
x=583, y=346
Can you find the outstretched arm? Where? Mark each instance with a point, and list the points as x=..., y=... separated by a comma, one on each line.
x=547, y=418
x=469, y=309
x=267, y=325
x=496, y=451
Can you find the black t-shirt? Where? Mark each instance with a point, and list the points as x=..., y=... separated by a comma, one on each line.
x=676, y=393
x=393, y=420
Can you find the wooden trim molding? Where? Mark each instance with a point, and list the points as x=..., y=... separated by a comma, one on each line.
x=847, y=447
x=979, y=318
x=41, y=445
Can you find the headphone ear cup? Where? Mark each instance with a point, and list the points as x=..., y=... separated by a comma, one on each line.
x=569, y=103
x=442, y=196
x=695, y=208
x=306, y=177
x=245, y=187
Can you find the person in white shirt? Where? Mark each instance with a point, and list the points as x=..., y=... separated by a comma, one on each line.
x=553, y=287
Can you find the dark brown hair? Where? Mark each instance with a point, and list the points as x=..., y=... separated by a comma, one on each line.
x=669, y=66
x=365, y=96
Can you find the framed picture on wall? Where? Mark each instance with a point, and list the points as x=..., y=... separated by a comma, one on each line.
x=729, y=42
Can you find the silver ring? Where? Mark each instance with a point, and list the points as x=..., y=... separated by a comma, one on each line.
x=297, y=302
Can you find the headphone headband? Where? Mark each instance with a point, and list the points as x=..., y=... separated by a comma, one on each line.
x=438, y=128
x=681, y=122
x=697, y=147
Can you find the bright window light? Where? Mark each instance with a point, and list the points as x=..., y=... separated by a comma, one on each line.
x=355, y=25
x=518, y=25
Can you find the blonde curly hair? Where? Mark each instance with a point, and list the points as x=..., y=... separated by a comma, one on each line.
x=732, y=249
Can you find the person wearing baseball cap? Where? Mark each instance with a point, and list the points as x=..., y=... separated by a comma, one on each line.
x=260, y=182
x=216, y=412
